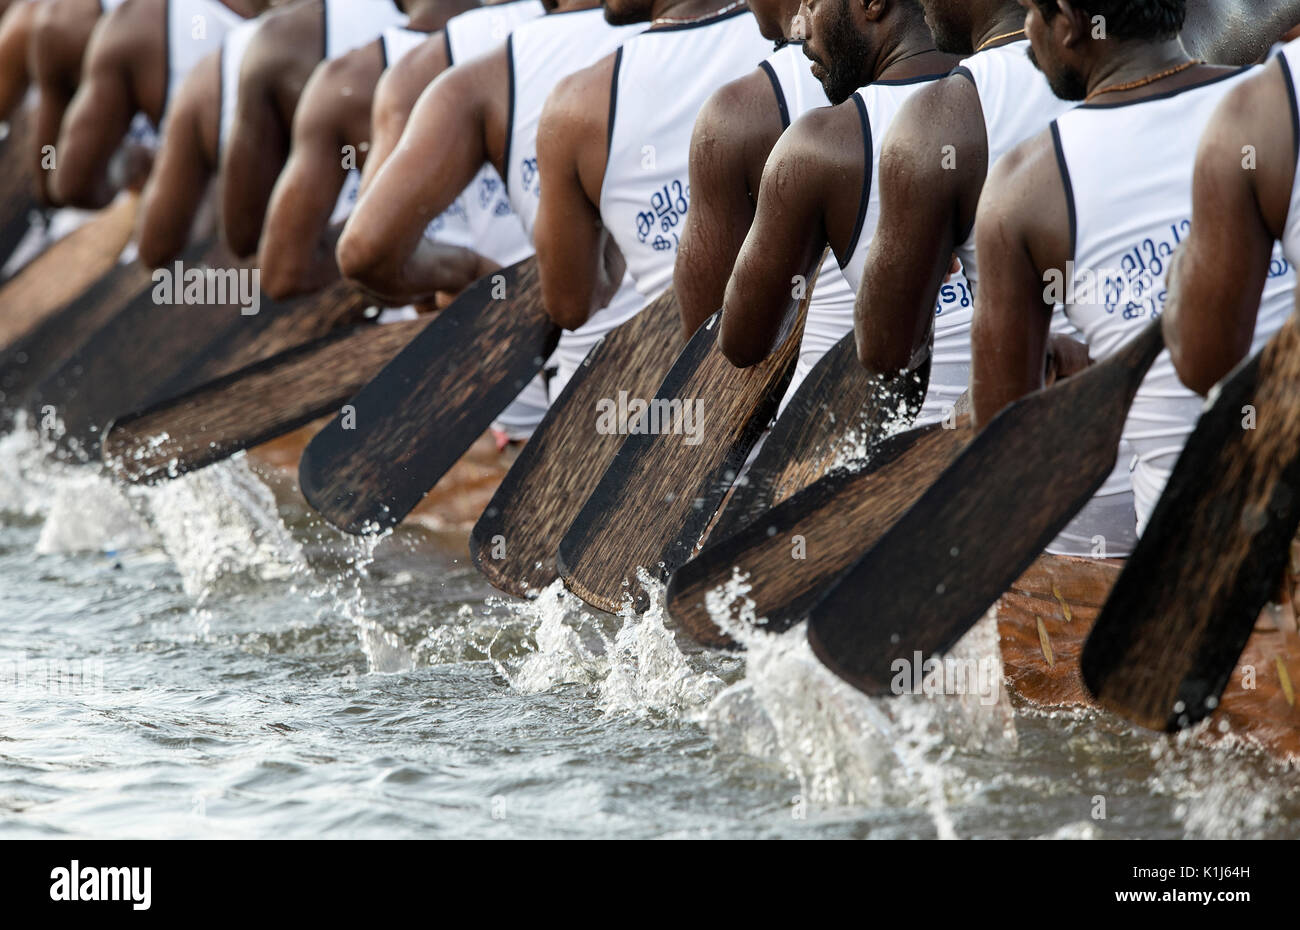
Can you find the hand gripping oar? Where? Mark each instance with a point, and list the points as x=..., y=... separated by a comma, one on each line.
x=253, y=405
x=980, y=525
x=516, y=539
x=369, y=467
x=661, y=492
x=794, y=552
x=1213, y=553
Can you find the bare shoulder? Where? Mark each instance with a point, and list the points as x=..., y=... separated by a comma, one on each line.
x=131, y=31
x=939, y=115
x=60, y=32
x=284, y=35
x=350, y=75
x=580, y=101
x=739, y=114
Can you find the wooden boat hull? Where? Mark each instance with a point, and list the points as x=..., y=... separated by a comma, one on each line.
x=1044, y=619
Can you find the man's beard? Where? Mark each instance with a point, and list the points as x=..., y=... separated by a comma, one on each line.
x=847, y=50
x=627, y=14
x=1067, y=83
x=949, y=36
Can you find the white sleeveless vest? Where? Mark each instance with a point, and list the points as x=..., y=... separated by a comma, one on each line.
x=542, y=53
x=661, y=79
x=1130, y=208
x=1017, y=102
x=351, y=24
x=232, y=56
x=477, y=31
x=1289, y=62
x=195, y=29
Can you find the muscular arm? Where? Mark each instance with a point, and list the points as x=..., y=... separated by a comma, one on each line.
x=62, y=32
x=118, y=80
x=383, y=247
x=298, y=245
x=16, y=28
x=1237, y=32
x=1218, y=275
x=277, y=64
x=932, y=166
x=733, y=135
x=184, y=167
x=1022, y=230
x=395, y=96
x=807, y=169
x=579, y=263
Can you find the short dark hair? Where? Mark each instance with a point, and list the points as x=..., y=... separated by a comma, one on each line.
x=1143, y=20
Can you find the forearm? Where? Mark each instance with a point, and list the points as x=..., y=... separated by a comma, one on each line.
x=297, y=253
x=255, y=153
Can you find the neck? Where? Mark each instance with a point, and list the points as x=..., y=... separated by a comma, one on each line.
x=245, y=8
x=432, y=15
x=906, y=55
x=684, y=9
x=568, y=6
x=997, y=20
x=1132, y=62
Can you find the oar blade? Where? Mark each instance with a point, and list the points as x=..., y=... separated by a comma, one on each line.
x=972, y=533
x=252, y=405
x=515, y=541
x=1213, y=554
x=787, y=559
x=370, y=466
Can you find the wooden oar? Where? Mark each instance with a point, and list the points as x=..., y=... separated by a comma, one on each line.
x=17, y=205
x=515, y=541
x=365, y=471
x=980, y=525
x=661, y=492
x=790, y=556
x=65, y=271
x=149, y=352
x=1211, y=556
x=253, y=405
x=836, y=418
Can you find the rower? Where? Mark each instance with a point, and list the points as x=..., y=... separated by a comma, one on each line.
x=1245, y=198
x=275, y=67
x=137, y=57
x=491, y=106
x=614, y=150
x=804, y=200
x=1103, y=220
x=334, y=116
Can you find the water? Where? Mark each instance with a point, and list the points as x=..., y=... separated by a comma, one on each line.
x=205, y=659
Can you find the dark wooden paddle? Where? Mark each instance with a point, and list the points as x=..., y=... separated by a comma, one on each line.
x=795, y=551
x=836, y=418
x=149, y=352
x=17, y=203
x=980, y=525
x=430, y=403
x=515, y=541
x=1212, y=555
x=253, y=405
x=663, y=489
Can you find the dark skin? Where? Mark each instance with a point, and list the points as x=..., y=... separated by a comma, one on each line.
x=17, y=25
x=124, y=73
x=1218, y=275
x=298, y=245
x=812, y=183
x=395, y=96
x=277, y=64
x=186, y=162
x=1023, y=225
x=383, y=248
x=733, y=136
x=580, y=265
x=61, y=33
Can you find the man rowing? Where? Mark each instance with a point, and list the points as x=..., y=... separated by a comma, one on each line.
x=818, y=185
x=1103, y=220
x=614, y=150
x=491, y=106
x=274, y=68
x=1245, y=198
x=334, y=116
x=137, y=58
